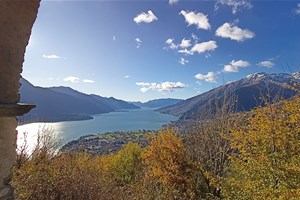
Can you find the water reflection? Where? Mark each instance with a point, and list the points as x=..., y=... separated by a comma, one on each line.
x=28, y=135
x=125, y=120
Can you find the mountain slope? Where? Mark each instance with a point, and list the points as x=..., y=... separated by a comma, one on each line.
x=96, y=99
x=60, y=104
x=247, y=91
x=158, y=103
x=115, y=103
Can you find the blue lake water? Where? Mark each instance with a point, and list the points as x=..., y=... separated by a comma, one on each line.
x=123, y=120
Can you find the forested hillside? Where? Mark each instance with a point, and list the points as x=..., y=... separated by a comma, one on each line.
x=232, y=156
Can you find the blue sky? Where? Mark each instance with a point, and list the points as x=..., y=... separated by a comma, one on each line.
x=142, y=50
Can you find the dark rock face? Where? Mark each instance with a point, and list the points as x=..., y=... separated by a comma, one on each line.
x=248, y=93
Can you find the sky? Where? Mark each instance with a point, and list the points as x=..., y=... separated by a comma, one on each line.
x=143, y=50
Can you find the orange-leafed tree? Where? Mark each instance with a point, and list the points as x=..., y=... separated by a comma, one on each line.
x=167, y=165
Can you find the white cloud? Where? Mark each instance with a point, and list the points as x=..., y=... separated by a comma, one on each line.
x=173, y=46
x=144, y=89
x=204, y=46
x=228, y=30
x=126, y=76
x=186, y=46
x=138, y=42
x=266, y=63
x=230, y=68
x=171, y=43
x=239, y=63
x=236, y=5
x=298, y=9
x=198, y=19
x=183, y=61
x=209, y=77
x=185, y=51
x=234, y=66
x=88, y=81
x=114, y=37
x=195, y=37
x=161, y=87
x=71, y=79
x=145, y=17
x=200, y=48
x=142, y=84
x=171, y=2
x=185, y=43
x=53, y=56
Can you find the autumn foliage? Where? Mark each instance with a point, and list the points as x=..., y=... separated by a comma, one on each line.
x=166, y=164
x=165, y=159
x=222, y=158
x=266, y=163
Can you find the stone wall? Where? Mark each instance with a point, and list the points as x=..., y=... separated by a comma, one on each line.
x=16, y=21
x=7, y=153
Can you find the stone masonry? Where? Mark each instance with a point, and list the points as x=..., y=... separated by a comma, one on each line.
x=16, y=21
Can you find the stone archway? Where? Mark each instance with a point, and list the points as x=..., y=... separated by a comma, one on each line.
x=16, y=21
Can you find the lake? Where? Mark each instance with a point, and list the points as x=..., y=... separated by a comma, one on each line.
x=123, y=120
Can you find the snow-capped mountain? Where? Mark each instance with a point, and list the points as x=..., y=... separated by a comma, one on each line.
x=247, y=92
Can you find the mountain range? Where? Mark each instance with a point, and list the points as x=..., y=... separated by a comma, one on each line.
x=157, y=103
x=247, y=93
x=65, y=104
